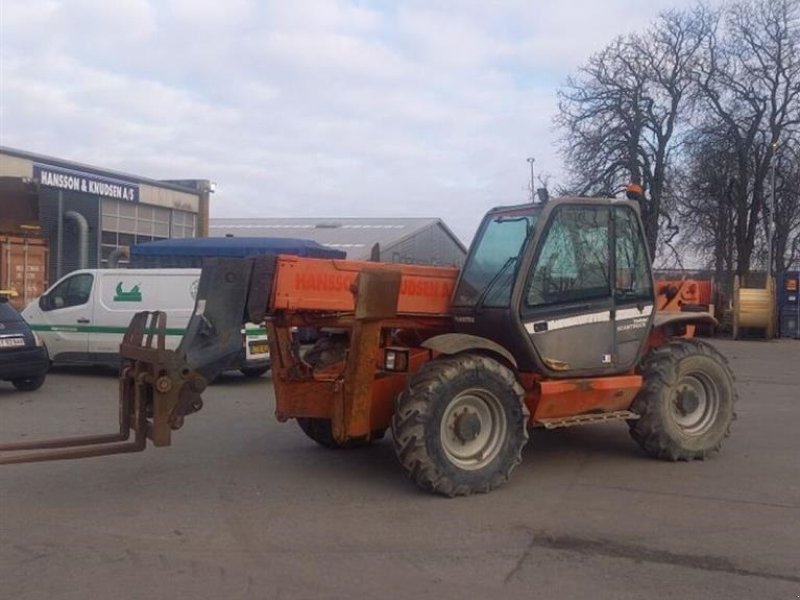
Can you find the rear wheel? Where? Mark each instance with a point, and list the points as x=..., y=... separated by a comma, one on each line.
x=28, y=384
x=320, y=430
x=687, y=402
x=460, y=425
x=253, y=371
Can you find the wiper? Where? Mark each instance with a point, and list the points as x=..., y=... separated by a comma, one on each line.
x=627, y=294
x=489, y=286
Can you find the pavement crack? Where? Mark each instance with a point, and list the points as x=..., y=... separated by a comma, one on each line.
x=521, y=561
x=623, y=488
x=641, y=554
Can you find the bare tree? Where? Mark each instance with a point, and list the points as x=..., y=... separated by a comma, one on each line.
x=787, y=205
x=750, y=81
x=621, y=115
x=705, y=208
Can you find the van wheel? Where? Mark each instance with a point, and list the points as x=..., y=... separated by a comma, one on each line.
x=253, y=371
x=28, y=384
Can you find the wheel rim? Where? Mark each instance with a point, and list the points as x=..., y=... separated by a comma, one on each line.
x=473, y=429
x=695, y=403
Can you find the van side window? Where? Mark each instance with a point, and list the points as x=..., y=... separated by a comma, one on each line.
x=73, y=291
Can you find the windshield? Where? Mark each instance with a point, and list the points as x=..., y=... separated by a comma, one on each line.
x=488, y=276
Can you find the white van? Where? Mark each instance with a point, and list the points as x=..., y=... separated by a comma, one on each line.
x=82, y=317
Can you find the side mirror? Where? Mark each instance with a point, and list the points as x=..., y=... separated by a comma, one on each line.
x=58, y=302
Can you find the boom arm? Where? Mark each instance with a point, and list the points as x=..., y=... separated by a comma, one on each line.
x=159, y=387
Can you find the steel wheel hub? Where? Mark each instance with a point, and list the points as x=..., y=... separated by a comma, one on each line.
x=467, y=426
x=473, y=429
x=695, y=404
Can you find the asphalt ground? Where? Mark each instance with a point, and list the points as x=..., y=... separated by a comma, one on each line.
x=242, y=506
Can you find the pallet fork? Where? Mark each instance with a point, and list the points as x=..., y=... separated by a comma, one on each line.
x=159, y=387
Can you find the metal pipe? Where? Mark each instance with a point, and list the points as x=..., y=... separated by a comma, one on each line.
x=83, y=237
x=533, y=187
x=60, y=235
x=116, y=255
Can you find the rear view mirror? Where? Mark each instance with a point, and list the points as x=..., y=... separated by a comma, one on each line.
x=58, y=302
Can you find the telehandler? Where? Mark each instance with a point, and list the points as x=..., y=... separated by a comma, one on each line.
x=550, y=323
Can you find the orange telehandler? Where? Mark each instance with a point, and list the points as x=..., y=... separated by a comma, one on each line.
x=550, y=323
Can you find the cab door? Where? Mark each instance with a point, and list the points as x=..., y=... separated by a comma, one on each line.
x=567, y=303
x=634, y=308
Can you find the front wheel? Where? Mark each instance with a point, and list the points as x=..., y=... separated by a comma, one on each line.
x=460, y=425
x=686, y=405
x=28, y=384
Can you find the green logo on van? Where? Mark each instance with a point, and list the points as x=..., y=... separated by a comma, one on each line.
x=132, y=295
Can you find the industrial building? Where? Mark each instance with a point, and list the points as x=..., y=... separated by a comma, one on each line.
x=426, y=241
x=87, y=216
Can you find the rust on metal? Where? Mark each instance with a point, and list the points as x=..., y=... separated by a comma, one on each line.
x=377, y=296
x=556, y=365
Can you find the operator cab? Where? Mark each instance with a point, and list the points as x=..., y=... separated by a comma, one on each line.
x=566, y=287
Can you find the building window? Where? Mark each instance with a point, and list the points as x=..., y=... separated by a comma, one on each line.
x=125, y=224
x=183, y=224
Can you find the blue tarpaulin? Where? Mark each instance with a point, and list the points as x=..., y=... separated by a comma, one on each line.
x=190, y=252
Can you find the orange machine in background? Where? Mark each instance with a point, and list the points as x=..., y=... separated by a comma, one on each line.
x=685, y=295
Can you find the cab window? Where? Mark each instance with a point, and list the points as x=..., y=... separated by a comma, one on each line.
x=573, y=261
x=632, y=279
x=73, y=291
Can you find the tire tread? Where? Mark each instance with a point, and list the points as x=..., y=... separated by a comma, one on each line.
x=412, y=415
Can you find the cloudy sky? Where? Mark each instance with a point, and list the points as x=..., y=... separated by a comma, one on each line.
x=306, y=107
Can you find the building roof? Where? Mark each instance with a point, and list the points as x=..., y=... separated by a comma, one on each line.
x=77, y=166
x=354, y=235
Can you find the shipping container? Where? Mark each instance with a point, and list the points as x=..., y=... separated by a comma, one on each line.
x=790, y=324
x=788, y=301
x=23, y=267
x=789, y=289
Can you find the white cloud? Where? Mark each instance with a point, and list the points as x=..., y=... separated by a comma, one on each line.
x=312, y=107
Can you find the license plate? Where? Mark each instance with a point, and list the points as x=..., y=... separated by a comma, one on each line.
x=12, y=342
x=259, y=347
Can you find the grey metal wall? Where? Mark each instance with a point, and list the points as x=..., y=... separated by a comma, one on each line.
x=429, y=246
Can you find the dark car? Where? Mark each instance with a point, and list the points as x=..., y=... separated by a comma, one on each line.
x=23, y=357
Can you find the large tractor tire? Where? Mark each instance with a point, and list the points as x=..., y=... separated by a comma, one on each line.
x=460, y=425
x=686, y=405
x=321, y=432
